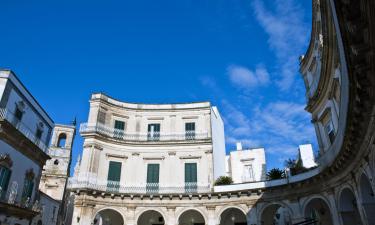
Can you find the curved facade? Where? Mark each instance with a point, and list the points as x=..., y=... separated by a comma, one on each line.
x=338, y=70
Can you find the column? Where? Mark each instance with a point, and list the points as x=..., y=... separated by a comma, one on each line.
x=171, y=216
x=334, y=210
x=83, y=215
x=212, y=220
x=130, y=216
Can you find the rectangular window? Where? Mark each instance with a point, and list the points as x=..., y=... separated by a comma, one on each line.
x=153, y=132
x=119, y=129
x=101, y=117
x=330, y=131
x=5, y=174
x=27, y=189
x=38, y=134
x=153, y=178
x=18, y=114
x=191, y=177
x=189, y=131
x=114, y=176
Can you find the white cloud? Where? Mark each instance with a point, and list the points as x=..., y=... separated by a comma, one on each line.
x=245, y=78
x=288, y=35
x=278, y=126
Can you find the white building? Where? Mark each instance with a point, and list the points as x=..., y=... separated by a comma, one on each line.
x=246, y=165
x=24, y=137
x=151, y=148
x=306, y=156
x=55, y=175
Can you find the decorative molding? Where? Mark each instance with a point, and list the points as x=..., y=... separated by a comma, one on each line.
x=96, y=146
x=154, y=158
x=6, y=161
x=30, y=175
x=248, y=159
x=155, y=118
x=190, y=157
x=190, y=117
x=116, y=156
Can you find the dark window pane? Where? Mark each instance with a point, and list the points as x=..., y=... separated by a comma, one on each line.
x=119, y=129
x=153, y=178
x=190, y=177
x=114, y=176
x=189, y=131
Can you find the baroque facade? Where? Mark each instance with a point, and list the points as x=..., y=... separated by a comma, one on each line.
x=33, y=174
x=338, y=70
x=24, y=137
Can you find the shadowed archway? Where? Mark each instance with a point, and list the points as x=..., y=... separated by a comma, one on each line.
x=191, y=217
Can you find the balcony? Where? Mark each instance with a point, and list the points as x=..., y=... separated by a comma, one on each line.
x=117, y=134
x=8, y=116
x=24, y=209
x=91, y=182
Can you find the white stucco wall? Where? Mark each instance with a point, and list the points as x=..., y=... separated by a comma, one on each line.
x=20, y=165
x=218, y=143
x=306, y=154
x=240, y=158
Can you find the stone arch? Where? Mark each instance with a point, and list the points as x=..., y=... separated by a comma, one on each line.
x=232, y=215
x=348, y=209
x=274, y=212
x=183, y=216
x=108, y=216
x=367, y=197
x=318, y=208
x=62, y=140
x=154, y=214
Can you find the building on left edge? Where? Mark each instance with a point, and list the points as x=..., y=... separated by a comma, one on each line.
x=25, y=133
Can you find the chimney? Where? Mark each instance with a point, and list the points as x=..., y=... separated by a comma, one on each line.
x=239, y=146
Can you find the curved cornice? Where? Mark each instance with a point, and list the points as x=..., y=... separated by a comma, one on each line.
x=102, y=98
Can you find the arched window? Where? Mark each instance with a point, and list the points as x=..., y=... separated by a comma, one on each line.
x=61, y=142
x=5, y=173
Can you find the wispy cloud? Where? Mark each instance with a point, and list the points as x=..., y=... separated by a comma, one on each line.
x=278, y=126
x=243, y=77
x=287, y=33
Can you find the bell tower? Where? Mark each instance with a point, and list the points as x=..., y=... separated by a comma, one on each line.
x=57, y=170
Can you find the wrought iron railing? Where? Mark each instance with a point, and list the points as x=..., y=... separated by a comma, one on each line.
x=23, y=128
x=144, y=137
x=92, y=183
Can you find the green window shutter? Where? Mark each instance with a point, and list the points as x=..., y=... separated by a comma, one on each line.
x=114, y=171
x=30, y=189
x=119, y=125
x=153, y=173
x=191, y=173
x=5, y=175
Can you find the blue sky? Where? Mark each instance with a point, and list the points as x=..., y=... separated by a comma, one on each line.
x=242, y=55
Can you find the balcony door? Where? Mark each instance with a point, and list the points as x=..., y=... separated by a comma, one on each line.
x=153, y=178
x=119, y=129
x=153, y=132
x=191, y=177
x=189, y=131
x=114, y=176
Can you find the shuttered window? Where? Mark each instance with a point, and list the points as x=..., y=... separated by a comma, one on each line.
x=119, y=129
x=27, y=189
x=114, y=176
x=153, y=178
x=5, y=174
x=191, y=177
